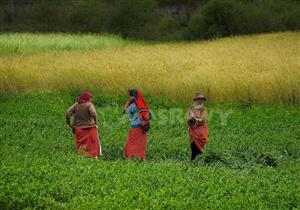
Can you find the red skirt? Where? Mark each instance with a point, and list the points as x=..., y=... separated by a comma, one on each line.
x=199, y=134
x=136, y=143
x=88, y=142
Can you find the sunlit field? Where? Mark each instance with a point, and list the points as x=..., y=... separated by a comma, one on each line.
x=251, y=160
x=27, y=43
x=258, y=68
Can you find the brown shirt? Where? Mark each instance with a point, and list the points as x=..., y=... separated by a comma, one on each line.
x=198, y=114
x=84, y=113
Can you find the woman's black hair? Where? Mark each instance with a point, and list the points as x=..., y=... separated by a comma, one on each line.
x=132, y=92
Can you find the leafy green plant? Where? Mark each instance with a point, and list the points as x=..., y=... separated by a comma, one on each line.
x=251, y=162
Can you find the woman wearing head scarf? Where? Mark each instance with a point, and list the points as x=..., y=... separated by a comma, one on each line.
x=85, y=126
x=197, y=130
x=139, y=115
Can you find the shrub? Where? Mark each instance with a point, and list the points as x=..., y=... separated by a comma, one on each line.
x=217, y=19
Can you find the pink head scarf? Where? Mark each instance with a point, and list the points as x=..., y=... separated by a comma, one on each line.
x=84, y=97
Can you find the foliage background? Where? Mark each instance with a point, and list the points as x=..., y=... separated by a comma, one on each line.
x=162, y=20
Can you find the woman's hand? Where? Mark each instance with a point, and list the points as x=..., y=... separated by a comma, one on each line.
x=130, y=99
x=192, y=122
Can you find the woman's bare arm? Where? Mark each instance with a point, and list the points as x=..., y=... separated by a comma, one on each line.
x=69, y=113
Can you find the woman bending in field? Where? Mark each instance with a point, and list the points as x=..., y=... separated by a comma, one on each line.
x=139, y=115
x=198, y=133
x=85, y=126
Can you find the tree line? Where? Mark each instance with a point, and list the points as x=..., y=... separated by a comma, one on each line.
x=162, y=20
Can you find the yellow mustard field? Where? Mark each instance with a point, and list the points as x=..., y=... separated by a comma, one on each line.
x=258, y=68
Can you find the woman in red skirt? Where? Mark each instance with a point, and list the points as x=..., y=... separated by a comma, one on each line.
x=139, y=115
x=85, y=126
x=198, y=133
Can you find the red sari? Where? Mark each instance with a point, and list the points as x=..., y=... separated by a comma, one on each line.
x=136, y=143
x=199, y=134
x=88, y=142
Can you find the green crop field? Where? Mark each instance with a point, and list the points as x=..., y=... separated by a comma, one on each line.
x=252, y=159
